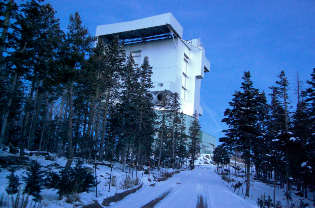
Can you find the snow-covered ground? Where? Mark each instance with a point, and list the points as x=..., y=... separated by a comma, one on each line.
x=185, y=189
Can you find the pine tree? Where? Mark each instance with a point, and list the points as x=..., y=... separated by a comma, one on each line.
x=194, y=136
x=281, y=91
x=162, y=125
x=78, y=44
x=82, y=180
x=243, y=122
x=128, y=107
x=14, y=182
x=275, y=126
x=175, y=122
x=181, y=150
x=309, y=96
x=261, y=147
x=146, y=131
x=221, y=156
x=34, y=180
x=110, y=64
x=66, y=184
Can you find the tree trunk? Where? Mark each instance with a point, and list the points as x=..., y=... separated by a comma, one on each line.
x=21, y=142
x=97, y=125
x=235, y=162
x=91, y=118
x=173, y=143
x=123, y=158
x=161, y=139
x=104, y=125
x=248, y=177
x=24, y=123
x=60, y=130
x=6, y=114
x=48, y=145
x=35, y=121
x=45, y=122
x=138, y=153
x=69, y=131
x=274, y=185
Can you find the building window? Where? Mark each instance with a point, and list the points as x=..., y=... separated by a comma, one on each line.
x=183, y=94
x=137, y=56
x=184, y=80
x=160, y=84
x=185, y=66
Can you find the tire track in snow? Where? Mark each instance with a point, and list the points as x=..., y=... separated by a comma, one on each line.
x=178, y=185
x=157, y=200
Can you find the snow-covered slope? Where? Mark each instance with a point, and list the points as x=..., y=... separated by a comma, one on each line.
x=186, y=188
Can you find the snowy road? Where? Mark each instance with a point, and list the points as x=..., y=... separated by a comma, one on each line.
x=184, y=190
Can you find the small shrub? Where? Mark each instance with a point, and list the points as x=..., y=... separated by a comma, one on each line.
x=303, y=205
x=65, y=185
x=4, y=201
x=84, y=180
x=51, y=180
x=73, y=198
x=127, y=183
x=227, y=179
x=18, y=201
x=75, y=180
x=136, y=181
x=34, y=180
x=14, y=183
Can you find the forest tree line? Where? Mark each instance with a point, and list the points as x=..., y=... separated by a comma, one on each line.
x=278, y=142
x=76, y=95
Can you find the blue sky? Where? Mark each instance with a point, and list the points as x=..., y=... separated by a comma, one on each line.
x=263, y=37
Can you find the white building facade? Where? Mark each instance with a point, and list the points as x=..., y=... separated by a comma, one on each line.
x=178, y=65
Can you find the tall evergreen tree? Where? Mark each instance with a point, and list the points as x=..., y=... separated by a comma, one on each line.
x=181, y=150
x=175, y=122
x=194, y=136
x=128, y=107
x=309, y=95
x=281, y=90
x=162, y=125
x=221, y=156
x=243, y=122
x=78, y=44
x=147, y=115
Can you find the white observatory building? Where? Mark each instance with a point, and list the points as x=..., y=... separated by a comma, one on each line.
x=178, y=65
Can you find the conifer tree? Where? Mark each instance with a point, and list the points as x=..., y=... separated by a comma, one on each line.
x=34, y=180
x=300, y=140
x=14, y=182
x=194, y=136
x=78, y=44
x=309, y=96
x=175, y=122
x=147, y=115
x=108, y=60
x=243, y=122
x=162, y=125
x=128, y=107
x=281, y=90
x=221, y=156
x=181, y=145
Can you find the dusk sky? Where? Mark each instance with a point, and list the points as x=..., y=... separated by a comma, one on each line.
x=263, y=37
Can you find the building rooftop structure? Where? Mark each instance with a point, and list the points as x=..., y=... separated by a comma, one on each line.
x=178, y=65
x=146, y=29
